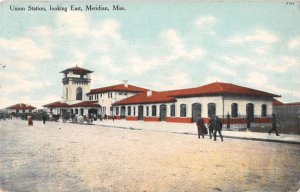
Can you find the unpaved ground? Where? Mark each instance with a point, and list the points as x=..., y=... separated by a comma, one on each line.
x=71, y=157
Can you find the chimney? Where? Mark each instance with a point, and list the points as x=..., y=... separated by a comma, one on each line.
x=149, y=93
x=125, y=83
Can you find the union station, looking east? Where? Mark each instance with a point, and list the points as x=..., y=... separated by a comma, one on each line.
x=237, y=106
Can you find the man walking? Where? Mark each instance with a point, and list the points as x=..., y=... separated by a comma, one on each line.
x=201, y=127
x=210, y=127
x=274, y=127
x=217, y=124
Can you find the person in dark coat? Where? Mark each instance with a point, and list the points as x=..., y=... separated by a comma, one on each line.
x=201, y=127
x=217, y=125
x=44, y=118
x=210, y=127
x=274, y=127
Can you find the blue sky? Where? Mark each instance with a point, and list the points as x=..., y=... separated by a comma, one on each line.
x=159, y=46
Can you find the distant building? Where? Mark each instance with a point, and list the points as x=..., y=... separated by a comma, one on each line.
x=20, y=108
x=288, y=114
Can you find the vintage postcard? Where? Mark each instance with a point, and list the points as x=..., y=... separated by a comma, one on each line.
x=149, y=96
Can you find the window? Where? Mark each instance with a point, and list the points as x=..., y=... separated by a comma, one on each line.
x=117, y=110
x=90, y=98
x=153, y=110
x=67, y=96
x=147, y=111
x=234, y=110
x=23, y=110
x=30, y=110
x=183, y=110
x=125, y=93
x=129, y=110
x=263, y=110
x=172, y=110
x=211, y=109
x=133, y=111
x=250, y=112
x=120, y=93
x=79, y=93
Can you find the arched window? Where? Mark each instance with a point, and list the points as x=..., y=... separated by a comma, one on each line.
x=172, y=110
x=79, y=93
x=196, y=111
x=117, y=110
x=234, y=110
x=129, y=110
x=211, y=109
x=153, y=110
x=147, y=110
x=263, y=110
x=183, y=110
x=250, y=112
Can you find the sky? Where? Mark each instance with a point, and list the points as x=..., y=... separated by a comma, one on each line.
x=159, y=46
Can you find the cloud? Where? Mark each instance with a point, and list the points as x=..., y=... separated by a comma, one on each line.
x=294, y=43
x=259, y=35
x=174, y=80
x=74, y=23
x=235, y=59
x=260, y=50
x=223, y=70
x=282, y=65
x=23, y=48
x=205, y=21
x=21, y=83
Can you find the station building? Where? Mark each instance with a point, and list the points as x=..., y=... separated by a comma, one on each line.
x=79, y=98
x=237, y=106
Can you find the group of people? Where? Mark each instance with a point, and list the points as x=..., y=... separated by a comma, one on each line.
x=214, y=125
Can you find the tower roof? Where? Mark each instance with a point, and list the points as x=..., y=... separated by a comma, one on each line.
x=77, y=70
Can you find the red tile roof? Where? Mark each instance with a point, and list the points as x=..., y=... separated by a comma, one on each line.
x=219, y=88
x=21, y=106
x=142, y=98
x=77, y=70
x=292, y=104
x=59, y=104
x=86, y=104
x=56, y=104
x=277, y=103
x=119, y=87
x=206, y=90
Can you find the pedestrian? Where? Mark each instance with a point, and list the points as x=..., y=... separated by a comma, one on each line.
x=30, y=121
x=44, y=118
x=274, y=127
x=201, y=127
x=113, y=117
x=217, y=125
x=210, y=127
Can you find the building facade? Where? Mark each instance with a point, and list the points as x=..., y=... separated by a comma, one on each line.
x=20, y=108
x=238, y=107
x=79, y=99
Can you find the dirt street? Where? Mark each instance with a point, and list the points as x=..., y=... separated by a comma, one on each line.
x=71, y=157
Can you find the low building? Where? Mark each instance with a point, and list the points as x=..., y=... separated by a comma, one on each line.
x=288, y=114
x=237, y=106
x=20, y=108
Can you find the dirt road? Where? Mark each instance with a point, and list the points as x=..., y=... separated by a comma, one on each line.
x=72, y=157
